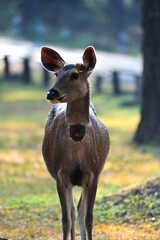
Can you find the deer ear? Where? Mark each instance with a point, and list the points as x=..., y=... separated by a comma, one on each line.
x=89, y=58
x=51, y=60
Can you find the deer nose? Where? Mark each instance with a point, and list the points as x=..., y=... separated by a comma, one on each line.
x=52, y=94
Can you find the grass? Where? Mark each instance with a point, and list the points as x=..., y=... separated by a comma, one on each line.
x=139, y=205
x=29, y=205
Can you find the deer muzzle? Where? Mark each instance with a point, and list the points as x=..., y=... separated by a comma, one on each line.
x=53, y=96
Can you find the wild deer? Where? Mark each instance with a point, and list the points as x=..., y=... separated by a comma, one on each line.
x=76, y=142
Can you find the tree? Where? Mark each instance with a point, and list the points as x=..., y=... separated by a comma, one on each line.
x=149, y=126
x=116, y=15
x=7, y=11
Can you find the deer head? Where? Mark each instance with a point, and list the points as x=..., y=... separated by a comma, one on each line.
x=71, y=82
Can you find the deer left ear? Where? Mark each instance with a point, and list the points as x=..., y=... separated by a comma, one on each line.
x=51, y=60
x=89, y=58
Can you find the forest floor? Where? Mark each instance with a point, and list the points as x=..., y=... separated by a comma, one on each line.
x=128, y=198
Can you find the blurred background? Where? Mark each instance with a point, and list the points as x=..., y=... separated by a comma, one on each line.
x=29, y=206
x=110, y=26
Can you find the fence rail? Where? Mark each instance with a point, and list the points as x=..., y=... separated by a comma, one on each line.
x=24, y=71
x=118, y=78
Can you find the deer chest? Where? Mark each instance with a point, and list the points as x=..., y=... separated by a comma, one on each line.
x=77, y=132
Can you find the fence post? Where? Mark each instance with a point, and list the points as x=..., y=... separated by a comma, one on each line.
x=6, y=67
x=98, y=84
x=116, y=83
x=26, y=71
x=45, y=78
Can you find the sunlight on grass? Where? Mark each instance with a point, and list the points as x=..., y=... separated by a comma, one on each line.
x=24, y=93
x=125, y=231
x=121, y=122
x=18, y=125
x=20, y=96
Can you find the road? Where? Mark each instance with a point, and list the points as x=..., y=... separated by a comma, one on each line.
x=106, y=62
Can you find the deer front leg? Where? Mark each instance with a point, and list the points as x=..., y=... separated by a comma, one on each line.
x=73, y=217
x=81, y=216
x=65, y=196
x=90, y=194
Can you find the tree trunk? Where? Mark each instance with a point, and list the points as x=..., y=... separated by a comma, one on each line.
x=149, y=126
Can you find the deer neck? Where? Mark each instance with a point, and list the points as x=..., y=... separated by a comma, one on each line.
x=78, y=111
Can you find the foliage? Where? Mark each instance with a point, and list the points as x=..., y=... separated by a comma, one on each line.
x=29, y=206
x=7, y=12
x=79, y=23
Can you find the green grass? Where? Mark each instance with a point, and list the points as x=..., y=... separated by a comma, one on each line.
x=29, y=205
x=133, y=206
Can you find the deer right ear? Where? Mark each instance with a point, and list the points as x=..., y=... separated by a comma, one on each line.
x=51, y=60
x=89, y=58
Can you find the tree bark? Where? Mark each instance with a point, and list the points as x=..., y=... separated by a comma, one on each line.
x=149, y=127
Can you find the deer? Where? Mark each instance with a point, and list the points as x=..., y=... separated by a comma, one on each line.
x=76, y=143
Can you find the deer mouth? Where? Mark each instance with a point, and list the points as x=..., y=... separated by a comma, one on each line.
x=57, y=100
x=61, y=98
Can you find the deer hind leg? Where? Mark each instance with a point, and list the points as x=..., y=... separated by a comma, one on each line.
x=90, y=194
x=65, y=196
x=81, y=215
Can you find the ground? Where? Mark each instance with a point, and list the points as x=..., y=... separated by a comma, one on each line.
x=127, y=205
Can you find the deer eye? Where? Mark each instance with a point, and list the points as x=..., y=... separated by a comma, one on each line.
x=74, y=76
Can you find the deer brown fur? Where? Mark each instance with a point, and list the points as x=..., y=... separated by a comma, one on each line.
x=76, y=142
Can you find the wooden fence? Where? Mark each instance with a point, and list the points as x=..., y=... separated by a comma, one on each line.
x=117, y=78
x=25, y=75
